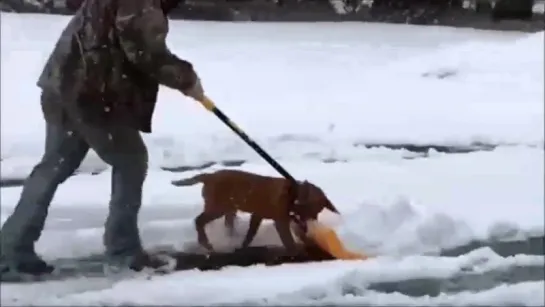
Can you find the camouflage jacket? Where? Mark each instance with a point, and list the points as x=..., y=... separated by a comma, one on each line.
x=108, y=63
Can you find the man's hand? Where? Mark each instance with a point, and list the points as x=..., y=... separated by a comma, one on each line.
x=196, y=91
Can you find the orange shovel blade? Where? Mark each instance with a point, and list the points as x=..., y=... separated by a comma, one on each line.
x=327, y=239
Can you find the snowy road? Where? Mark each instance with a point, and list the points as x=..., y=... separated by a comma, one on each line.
x=446, y=228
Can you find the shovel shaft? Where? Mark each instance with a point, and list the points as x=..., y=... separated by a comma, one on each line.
x=210, y=106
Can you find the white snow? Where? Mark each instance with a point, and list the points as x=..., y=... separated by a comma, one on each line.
x=307, y=93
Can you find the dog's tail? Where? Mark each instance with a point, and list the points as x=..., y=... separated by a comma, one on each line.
x=329, y=205
x=200, y=178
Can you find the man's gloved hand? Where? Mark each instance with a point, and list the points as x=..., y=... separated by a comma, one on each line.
x=196, y=91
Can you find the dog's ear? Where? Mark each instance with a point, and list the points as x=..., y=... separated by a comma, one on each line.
x=325, y=202
x=328, y=205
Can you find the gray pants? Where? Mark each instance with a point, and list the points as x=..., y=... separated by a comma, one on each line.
x=65, y=148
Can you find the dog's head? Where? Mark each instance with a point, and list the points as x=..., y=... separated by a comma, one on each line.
x=311, y=200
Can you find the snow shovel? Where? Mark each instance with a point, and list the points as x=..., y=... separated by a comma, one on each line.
x=323, y=236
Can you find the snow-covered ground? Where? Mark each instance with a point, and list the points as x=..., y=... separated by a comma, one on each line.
x=309, y=93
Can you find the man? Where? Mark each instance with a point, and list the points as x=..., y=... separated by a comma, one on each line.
x=99, y=89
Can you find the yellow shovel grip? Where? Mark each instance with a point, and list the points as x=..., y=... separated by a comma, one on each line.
x=208, y=104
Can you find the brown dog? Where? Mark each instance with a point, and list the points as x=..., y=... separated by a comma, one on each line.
x=227, y=191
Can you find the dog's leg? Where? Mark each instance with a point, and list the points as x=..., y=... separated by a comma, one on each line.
x=255, y=222
x=200, y=223
x=230, y=223
x=283, y=229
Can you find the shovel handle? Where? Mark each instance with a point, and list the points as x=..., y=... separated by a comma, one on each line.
x=208, y=104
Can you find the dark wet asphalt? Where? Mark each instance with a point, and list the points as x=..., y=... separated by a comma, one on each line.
x=470, y=281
